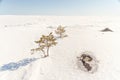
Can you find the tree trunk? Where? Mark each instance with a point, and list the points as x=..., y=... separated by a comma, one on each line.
x=47, y=51
x=60, y=35
x=44, y=53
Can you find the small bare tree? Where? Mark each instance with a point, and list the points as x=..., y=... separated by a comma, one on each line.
x=60, y=31
x=44, y=44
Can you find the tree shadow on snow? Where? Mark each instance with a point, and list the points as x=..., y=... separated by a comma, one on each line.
x=16, y=65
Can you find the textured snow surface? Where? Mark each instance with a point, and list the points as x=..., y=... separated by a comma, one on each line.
x=18, y=33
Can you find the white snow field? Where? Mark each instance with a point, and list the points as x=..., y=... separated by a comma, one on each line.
x=18, y=33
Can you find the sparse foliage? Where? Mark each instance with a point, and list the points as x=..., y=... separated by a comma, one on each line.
x=44, y=43
x=60, y=31
x=47, y=41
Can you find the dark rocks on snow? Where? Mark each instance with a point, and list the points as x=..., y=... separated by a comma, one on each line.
x=86, y=58
x=106, y=30
x=87, y=62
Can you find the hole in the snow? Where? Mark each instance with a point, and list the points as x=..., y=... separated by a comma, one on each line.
x=87, y=62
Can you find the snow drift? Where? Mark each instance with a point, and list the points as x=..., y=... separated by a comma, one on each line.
x=18, y=34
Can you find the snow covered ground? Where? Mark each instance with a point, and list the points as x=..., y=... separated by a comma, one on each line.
x=18, y=33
